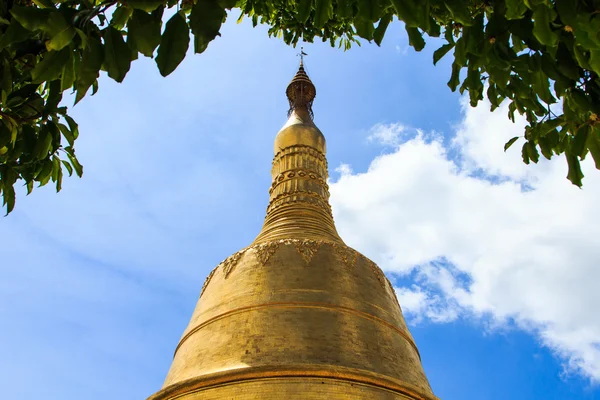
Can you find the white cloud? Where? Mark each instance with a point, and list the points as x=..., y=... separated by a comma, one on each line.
x=387, y=134
x=483, y=247
x=344, y=169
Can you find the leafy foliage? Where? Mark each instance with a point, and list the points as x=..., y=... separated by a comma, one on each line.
x=543, y=56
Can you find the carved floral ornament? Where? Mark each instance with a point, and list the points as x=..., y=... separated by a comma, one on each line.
x=307, y=249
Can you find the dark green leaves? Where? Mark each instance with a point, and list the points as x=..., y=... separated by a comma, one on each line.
x=68, y=72
x=323, y=12
x=303, y=8
x=144, y=32
x=173, y=44
x=441, y=52
x=455, y=77
x=14, y=34
x=575, y=175
x=30, y=17
x=409, y=11
x=415, y=38
x=515, y=9
x=51, y=66
x=510, y=143
x=364, y=28
x=121, y=16
x=145, y=5
x=459, y=11
x=117, y=55
x=60, y=31
x=381, y=28
x=368, y=10
x=205, y=21
x=542, y=30
x=532, y=52
x=89, y=68
x=593, y=145
x=594, y=61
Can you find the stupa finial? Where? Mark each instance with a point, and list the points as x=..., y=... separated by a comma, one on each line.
x=301, y=55
x=301, y=92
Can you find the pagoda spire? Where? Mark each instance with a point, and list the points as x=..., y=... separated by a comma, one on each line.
x=299, y=194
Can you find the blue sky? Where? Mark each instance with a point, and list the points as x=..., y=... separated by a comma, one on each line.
x=497, y=283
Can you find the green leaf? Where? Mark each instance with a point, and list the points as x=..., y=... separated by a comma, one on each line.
x=593, y=145
x=8, y=195
x=145, y=5
x=567, y=10
x=59, y=30
x=54, y=95
x=68, y=167
x=441, y=52
x=68, y=73
x=173, y=44
x=14, y=34
x=460, y=52
x=55, y=168
x=595, y=60
x=73, y=127
x=581, y=58
x=228, y=4
x=29, y=187
x=30, y=17
x=303, y=8
x=89, y=69
x=144, y=32
x=43, y=176
x=205, y=22
x=575, y=175
x=59, y=176
x=323, y=12
x=381, y=28
x=515, y=9
x=344, y=8
x=43, y=144
x=66, y=133
x=368, y=10
x=407, y=11
x=415, y=38
x=532, y=152
x=364, y=28
x=75, y=163
x=541, y=85
x=510, y=142
x=51, y=66
x=121, y=16
x=460, y=11
x=117, y=55
x=455, y=77
x=542, y=30
x=525, y=153
x=579, y=142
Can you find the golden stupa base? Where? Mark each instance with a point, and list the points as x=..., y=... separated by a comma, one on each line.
x=287, y=382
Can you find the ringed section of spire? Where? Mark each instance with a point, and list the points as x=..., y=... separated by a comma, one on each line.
x=299, y=194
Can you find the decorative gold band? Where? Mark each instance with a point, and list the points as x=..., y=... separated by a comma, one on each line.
x=350, y=375
x=325, y=306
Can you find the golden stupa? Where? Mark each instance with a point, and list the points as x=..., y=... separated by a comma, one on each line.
x=297, y=314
